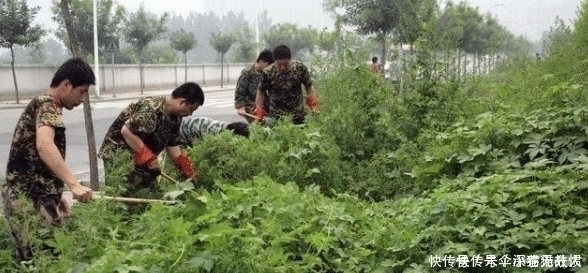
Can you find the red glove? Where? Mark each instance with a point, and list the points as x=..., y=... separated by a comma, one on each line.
x=259, y=112
x=313, y=102
x=144, y=156
x=184, y=164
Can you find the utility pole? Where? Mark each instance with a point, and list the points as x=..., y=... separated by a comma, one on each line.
x=257, y=26
x=96, y=57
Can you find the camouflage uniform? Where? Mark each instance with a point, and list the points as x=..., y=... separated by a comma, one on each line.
x=197, y=128
x=246, y=91
x=147, y=119
x=29, y=177
x=285, y=91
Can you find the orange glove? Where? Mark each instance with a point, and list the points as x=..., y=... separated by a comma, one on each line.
x=313, y=102
x=144, y=156
x=259, y=112
x=184, y=164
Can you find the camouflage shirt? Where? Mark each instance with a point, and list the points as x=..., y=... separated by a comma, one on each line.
x=246, y=90
x=284, y=91
x=147, y=119
x=25, y=169
x=197, y=127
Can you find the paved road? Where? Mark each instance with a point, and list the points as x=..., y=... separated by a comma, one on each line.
x=217, y=105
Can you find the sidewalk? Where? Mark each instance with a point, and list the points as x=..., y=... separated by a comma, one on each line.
x=120, y=96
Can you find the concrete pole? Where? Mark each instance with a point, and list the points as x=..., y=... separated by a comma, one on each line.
x=257, y=26
x=96, y=58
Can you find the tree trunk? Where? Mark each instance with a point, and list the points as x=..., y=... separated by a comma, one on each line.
x=141, y=75
x=74, y=46
x=185, y=67
x=228, y=74
x=222, y=68
x=458, y=65
x=383, y=62
x=474, y=63
x=465, y=65
x=14, y=74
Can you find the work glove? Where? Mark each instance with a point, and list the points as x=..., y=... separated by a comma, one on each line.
x=313, y=102
x=144, y=157
x=184, y=164
x=259, y=112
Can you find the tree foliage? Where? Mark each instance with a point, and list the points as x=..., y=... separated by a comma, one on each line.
x=559, y=35
x=378, y=17
x=140, y=30
x=183, y=41
x=299, y=40
x=414, y=17
x=245, y=50
x=222, y=42
x=327, y=41
x=110, y=18
x=16, y=29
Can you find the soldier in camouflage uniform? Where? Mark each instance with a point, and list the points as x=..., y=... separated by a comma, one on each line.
x=248, y=83
x=142, y=130
x=36, y=172
x=197, y=127
x=282, y=81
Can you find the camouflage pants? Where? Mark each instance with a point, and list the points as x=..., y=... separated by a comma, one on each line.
x=138, y=183
x=20, y=217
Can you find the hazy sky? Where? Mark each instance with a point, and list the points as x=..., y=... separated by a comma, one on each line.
x=522, y=17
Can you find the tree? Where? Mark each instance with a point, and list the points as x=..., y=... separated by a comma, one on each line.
x=580, y=34
x=221, y=43
x=55, y=52
x=414, y=15
x=140, y=31
x=37, y=55
x=65, y=11
x=16, y=29
x=183, y=41
x=378, y=17
x=297, y=39
x=245, y=50
x=110, y=17
x=327, y=41
x=558, y=36
x=160, y=55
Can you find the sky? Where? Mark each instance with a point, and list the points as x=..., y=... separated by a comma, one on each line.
x=529, y=18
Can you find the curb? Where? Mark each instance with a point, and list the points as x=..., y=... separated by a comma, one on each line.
x=12, y=105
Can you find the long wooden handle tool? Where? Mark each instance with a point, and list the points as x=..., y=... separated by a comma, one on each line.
x=135, y=200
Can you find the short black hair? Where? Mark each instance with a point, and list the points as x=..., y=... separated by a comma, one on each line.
x=267, y=56
x=282, y=52
x=77, y=71
x=374, y=59
x=239, y=128
x=190, y=91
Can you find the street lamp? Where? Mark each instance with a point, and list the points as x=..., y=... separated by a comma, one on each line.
x=96, y=63
x=257, y=24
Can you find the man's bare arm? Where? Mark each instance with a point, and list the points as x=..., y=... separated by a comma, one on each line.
x=310, y=91
x=52, y=157
x=259, y=98
x=131, y=139
x=173, y=151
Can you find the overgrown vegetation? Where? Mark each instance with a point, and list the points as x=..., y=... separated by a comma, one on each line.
x=379, y=181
